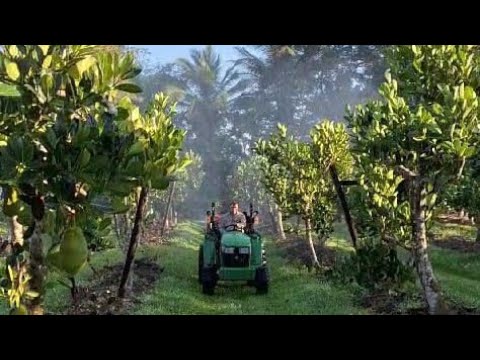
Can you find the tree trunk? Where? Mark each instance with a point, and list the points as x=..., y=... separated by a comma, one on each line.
x=308, y=231
x=16, y=230
x=165, y=218
x=271, y=213
x=477, y=224
x=431, y=288
x=172, y=214
x=139, y=216
x=9, y=234
x=117, y=228
x=125, y=231
x=172, y=225
x=37, y=267
x=122, y=231
x=297, y=227
x=281, y=231
x=344, y=203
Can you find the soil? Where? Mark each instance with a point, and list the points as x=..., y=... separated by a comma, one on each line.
x=453, y=218
x=296, y=250
x=151, y=235
x=384, y=303
x=457, y=243
x=100, y=297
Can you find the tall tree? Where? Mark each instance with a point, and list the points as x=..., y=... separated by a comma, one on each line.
x=420, y=134
x=207, y=95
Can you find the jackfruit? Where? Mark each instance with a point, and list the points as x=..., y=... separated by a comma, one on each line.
x=73, y=251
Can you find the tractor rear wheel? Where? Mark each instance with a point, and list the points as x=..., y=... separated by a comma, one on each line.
x=209, y=280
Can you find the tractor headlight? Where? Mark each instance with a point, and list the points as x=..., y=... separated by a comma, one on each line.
x=228, y=250
x=244, y=250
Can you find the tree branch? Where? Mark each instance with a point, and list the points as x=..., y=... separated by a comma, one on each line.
x=405, y=172
x=462, y=166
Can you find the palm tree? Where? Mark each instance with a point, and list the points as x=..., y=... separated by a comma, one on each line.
x=308, y=82
x=207, y=95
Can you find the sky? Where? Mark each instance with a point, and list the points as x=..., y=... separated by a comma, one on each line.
x=161, y=54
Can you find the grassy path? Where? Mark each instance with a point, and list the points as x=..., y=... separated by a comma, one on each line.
x=292, y=291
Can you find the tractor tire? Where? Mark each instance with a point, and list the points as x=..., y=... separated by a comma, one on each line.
x=209, y=281
x=200, y=264
x=261, y=280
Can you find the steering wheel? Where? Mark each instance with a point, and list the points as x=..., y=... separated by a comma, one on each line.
x=233, y=226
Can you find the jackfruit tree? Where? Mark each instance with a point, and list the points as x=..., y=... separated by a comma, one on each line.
x=415, y=141
x=152, y=162
x=59, y=151
x=297, y=175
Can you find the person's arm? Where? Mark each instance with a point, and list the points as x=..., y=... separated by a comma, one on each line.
x=243, y=220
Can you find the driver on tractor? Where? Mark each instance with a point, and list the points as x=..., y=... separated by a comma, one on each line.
x=234, y=217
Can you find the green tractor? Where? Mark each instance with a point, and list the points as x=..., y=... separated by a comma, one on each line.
x=235, y=254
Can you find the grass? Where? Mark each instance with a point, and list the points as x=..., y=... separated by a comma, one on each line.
x=444, y=231
x=340, y=239
x=292, y=290
x=459, y=275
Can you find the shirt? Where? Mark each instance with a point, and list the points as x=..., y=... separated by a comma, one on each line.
x=229, y=219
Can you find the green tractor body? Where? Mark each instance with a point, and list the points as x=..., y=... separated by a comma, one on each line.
x=232, y=256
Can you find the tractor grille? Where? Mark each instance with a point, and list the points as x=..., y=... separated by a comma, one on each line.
x=236, y=259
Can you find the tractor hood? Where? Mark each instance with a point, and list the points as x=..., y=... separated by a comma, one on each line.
x=235, y=239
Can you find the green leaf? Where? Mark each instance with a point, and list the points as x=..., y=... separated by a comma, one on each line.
x=470, y=93
x=119, y=206
x=85, y=64
x=388, y=76
x=135, y=113
x=134, y=168
x=47, y=83
x=121, y=188
x=77, y=70
x=470, y=151
x=47, y=62
x=136, y=149
x=32, y=294
x=170, y=169
x=431, y=199
x=132, y=73
x=7, y=90
x=129, y=88
x=12, y=70
x=159, y=182
x=44, y=48
x=105, y=223
x=429, y=187
x=13, y=51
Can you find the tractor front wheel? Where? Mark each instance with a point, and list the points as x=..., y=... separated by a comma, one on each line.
x=261, y=280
